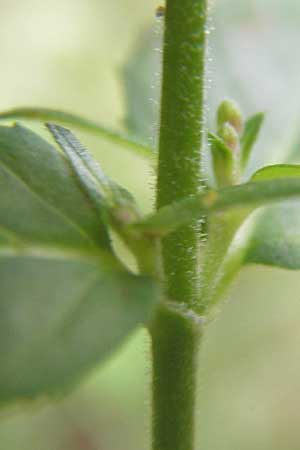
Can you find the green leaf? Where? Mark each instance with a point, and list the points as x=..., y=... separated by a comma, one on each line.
x=271, y=236
x=222, y=159
x=40, y=200
x=108, y=196
x=275, y=233
x=81, y=123
x=250, y=135
x=277, y=171
x=115, y=204
x=61, y=315
x=275, y=238
x=65, y=300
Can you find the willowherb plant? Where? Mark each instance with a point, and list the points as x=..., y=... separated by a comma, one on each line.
x=66, y=299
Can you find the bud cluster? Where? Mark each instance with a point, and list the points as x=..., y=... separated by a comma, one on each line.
x=225, y=145
x=232, y=146
x=230, y=124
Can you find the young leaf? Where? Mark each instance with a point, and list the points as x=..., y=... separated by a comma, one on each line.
x=72, y=120
x=249, y=137
x=108, y=196
x=60, y=316
x=229, y=112
x=40, y=200
x=277, y=171
x=223, y=162
x=116, y=205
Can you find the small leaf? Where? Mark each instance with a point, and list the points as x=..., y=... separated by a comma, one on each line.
x=229, y=136
x=65, y=118
x=277, y=171
x=229, y=112
x=249, y=137
x=222, y=159
x=275, y=238
x=116, y=205
x=40, y=200
x=108, y=196
x=60, y=316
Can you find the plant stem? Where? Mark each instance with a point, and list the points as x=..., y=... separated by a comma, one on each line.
x=175, y=342
x=181, y=131
x=175, y=337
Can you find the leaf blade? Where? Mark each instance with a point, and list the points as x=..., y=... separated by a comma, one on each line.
x=277, y=171
x=39, y=198
x=65, y=303
x=59, y=318
x=252, y=129
x=275, y=238
x=222, y=159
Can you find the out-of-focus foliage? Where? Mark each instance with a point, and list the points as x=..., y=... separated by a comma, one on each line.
x=141, y=81
x=70, y=55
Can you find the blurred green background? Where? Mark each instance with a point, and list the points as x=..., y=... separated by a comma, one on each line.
x=91, y=57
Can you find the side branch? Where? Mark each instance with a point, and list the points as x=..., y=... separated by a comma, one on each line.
x=190, y=209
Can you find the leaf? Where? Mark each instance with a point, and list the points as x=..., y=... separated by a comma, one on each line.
x=250, y=135
x=40, y=200
x=277, y=171
x=61, y=315
x=271, y=236
x=108, y=196
x=65, y=118
x=275, y=233
x=65, y=300
x=275, y=239
x=222, y=159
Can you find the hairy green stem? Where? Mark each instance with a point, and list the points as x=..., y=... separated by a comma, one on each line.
x=175, y=341
x=181, y=132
